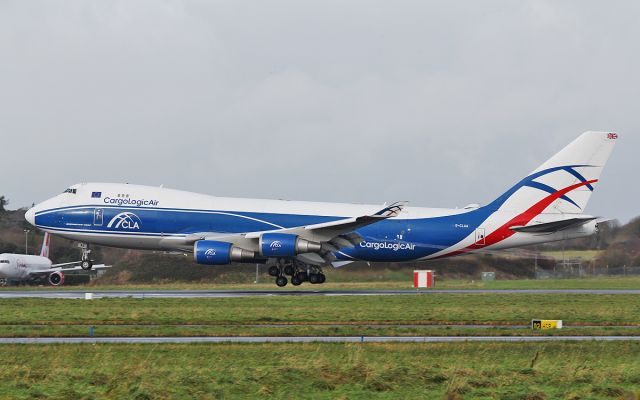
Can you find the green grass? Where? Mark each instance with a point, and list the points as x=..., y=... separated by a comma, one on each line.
x=299, y=330
x=574, y=370
x=587, y=255
x=323, y=371
x=236, y=316
x=623, y=282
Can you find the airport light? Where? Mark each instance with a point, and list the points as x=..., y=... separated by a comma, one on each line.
x=26, y=241
x=257, y=272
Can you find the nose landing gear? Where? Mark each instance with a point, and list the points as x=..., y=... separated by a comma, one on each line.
x=86, y=263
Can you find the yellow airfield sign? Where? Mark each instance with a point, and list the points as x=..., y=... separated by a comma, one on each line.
x=546, y=324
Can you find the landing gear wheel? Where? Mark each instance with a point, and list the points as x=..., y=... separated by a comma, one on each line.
x=295, y=281
x=86, y=265
x=288, y=270
x=322, y=278
x=314, y=278
x=274, y=270
x=303, y=276
x=281, y=281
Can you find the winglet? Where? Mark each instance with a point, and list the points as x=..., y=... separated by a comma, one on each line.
x=393, y=210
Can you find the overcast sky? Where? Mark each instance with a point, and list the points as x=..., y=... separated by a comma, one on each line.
x=439, y=103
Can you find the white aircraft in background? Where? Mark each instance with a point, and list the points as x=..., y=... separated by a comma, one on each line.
x=19, y=268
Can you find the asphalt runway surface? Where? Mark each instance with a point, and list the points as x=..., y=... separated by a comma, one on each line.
x=311, y=339
x=77, y=294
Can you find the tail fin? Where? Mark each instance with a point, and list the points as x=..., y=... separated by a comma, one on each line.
x=566, y=181
x=45, y=245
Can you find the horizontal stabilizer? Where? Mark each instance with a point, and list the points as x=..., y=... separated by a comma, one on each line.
x=555, y=226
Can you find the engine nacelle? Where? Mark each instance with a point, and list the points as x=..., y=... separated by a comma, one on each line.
x=56, y=278
x=286, y=245
x=213, y=252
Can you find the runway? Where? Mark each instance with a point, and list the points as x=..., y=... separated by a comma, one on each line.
x=141, y=294
x=312, y=339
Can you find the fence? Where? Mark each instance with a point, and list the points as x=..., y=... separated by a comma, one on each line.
x=576, y=269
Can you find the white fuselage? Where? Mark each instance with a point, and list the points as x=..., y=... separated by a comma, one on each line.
x=18, y=267
x=144, y=217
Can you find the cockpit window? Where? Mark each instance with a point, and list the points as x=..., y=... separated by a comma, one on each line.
x=4, y=261
x=73, y=191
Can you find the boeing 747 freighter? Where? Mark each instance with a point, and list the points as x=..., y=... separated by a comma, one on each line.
x=297, y=239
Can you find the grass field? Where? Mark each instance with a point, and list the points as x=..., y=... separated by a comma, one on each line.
x=323, y=371
x=571, y=370
x=299, y=330
x=587, y=255
x=342, y=315
x=436, y=308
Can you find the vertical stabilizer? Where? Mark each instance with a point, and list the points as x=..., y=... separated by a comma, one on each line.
x=565, y=182
x=45, y=245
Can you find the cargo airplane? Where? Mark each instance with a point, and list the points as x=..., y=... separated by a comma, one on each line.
x=297, y=239
x=24, y=268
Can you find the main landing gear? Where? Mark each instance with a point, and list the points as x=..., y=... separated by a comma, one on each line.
x=86, y=263
x=298, y=272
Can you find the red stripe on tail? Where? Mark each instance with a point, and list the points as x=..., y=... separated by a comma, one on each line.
x=523, y=219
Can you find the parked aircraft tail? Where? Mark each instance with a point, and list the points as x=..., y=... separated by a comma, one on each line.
x=45, y=245
x=565, y=182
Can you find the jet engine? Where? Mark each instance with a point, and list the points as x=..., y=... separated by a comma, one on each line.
x=212, y=252
x=286, y=245
x=56, y=278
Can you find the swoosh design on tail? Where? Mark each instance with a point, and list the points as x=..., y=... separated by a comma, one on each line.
x=522, y=219
x=531, y=182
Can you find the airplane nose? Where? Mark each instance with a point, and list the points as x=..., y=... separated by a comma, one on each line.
x=30, y=216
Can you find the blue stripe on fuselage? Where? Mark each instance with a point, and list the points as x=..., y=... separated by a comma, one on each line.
x=387, y=240
x=410, y=239
x=398, y=239
x=172, y=221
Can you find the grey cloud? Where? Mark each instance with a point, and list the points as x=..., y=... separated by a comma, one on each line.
x=365, y=101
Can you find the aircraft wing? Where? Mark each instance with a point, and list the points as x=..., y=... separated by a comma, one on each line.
x=332, y=235
x=59, y=269
x=65, y=264
x=326, y=231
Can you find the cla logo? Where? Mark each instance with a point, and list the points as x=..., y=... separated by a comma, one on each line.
x=125, y=220
x=276, y=244
x=210, y=252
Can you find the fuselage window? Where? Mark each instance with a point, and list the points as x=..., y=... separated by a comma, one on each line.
x=4, y=261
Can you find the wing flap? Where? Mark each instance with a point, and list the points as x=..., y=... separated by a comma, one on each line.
x=337, y=233
x=326, y=232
